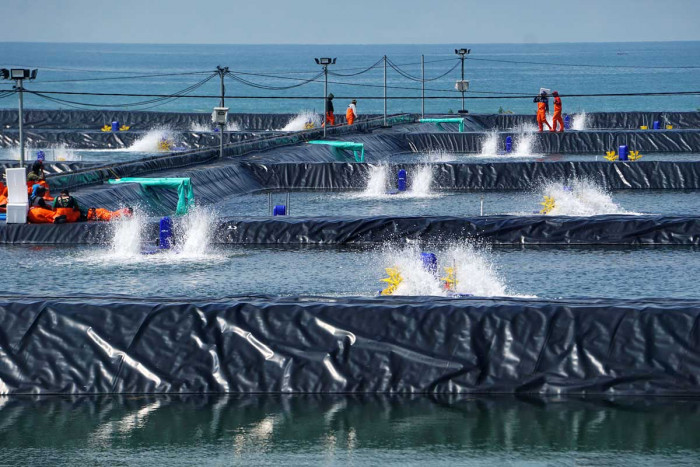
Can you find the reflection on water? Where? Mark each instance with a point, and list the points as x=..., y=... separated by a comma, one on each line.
x=341, y=429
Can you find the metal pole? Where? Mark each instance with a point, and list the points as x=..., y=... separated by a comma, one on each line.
x=462, y=83
x=269, y=203
x=221, y=140
x=287, y=203
x=422, y=86
x=384, y=90
x=222, y=72
x=325, y=99
x=482, y=205
x=21, y=121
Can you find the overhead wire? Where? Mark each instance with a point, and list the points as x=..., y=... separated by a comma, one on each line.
x=583, y=65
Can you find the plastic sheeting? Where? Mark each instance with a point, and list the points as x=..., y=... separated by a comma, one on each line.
x=579, y=142
x=95, y=119
x=143, y=120
x=349, y=345
x=109, y=140
x=510, y=230
x=505, y=230
x=485, y=176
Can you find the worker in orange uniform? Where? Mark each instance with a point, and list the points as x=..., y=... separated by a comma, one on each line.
x=542, y=110
x=351, y=113
x=102, y=214
x=330, y=117
x=39, y=210
x=556, y=119
x=66, y=205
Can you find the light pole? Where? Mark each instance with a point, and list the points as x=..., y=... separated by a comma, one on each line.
x=222, y=71
x=19, y=75
x=324, y=62
x=462, y=85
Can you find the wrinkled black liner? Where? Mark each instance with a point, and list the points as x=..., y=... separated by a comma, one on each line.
x=505, y=230
x=349, y=345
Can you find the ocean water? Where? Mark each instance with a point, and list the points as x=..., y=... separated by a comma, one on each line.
x=601, y=68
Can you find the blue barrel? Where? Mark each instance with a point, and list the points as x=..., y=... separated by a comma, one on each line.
x=567, y=122
x=657, y=125
x=115, y=126
x=40, y=156
x=568, y=188
x=165, y=240
x=429, y=261
x=622, y=151
x=401, y=180
x=279, y=210
x=509, y=143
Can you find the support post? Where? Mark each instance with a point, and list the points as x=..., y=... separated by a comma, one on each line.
x=422, y=86
x=462, y=57
x=325, y=98
x=222, y=127
x=20, y=88
x=287, y=203
x=385, y=90
x=269, y=203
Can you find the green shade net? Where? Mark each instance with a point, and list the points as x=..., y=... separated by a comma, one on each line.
x=438, y=122
x=358, y=149
x=182, y=185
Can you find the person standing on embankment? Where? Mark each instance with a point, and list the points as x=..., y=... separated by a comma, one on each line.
x=556, y=119
x=542, y=110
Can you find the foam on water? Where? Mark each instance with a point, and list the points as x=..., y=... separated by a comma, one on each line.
x=194, y=232
x=437, y=155
x=152, y=141
x=579, y=122
x=580, y=198
x=475, y=272
x=302, y=120
x=523, y=145
x=62, y=152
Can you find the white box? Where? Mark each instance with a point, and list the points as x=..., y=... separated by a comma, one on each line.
x=16, y=181
x=17, y=213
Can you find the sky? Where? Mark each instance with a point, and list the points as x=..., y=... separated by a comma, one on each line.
x=348, y=22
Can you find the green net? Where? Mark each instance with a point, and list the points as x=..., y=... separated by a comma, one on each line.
x=358, y=149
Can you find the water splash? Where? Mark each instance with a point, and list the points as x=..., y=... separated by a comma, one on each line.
x=127, y=236
x=377, y=182
x=62, y=152
x=579, y=122
x=304, y=120
x=194, y=232
x=580, y=198
x=421, y=181
x=489, y=144
x=155, y=140
x=523, y=145
x=475, y=272
x=201, y=127
x=197, y=127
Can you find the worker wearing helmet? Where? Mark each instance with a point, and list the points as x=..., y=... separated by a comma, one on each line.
x=351, y=113
x=542, y=110
x=556, y=119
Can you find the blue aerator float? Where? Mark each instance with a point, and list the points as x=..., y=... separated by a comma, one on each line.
x=509, y=144
x=567, y=122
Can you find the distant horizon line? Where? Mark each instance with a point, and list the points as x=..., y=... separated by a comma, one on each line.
x=344, y=44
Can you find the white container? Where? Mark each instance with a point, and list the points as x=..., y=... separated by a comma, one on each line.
x=16, y=181
x=17, y=213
